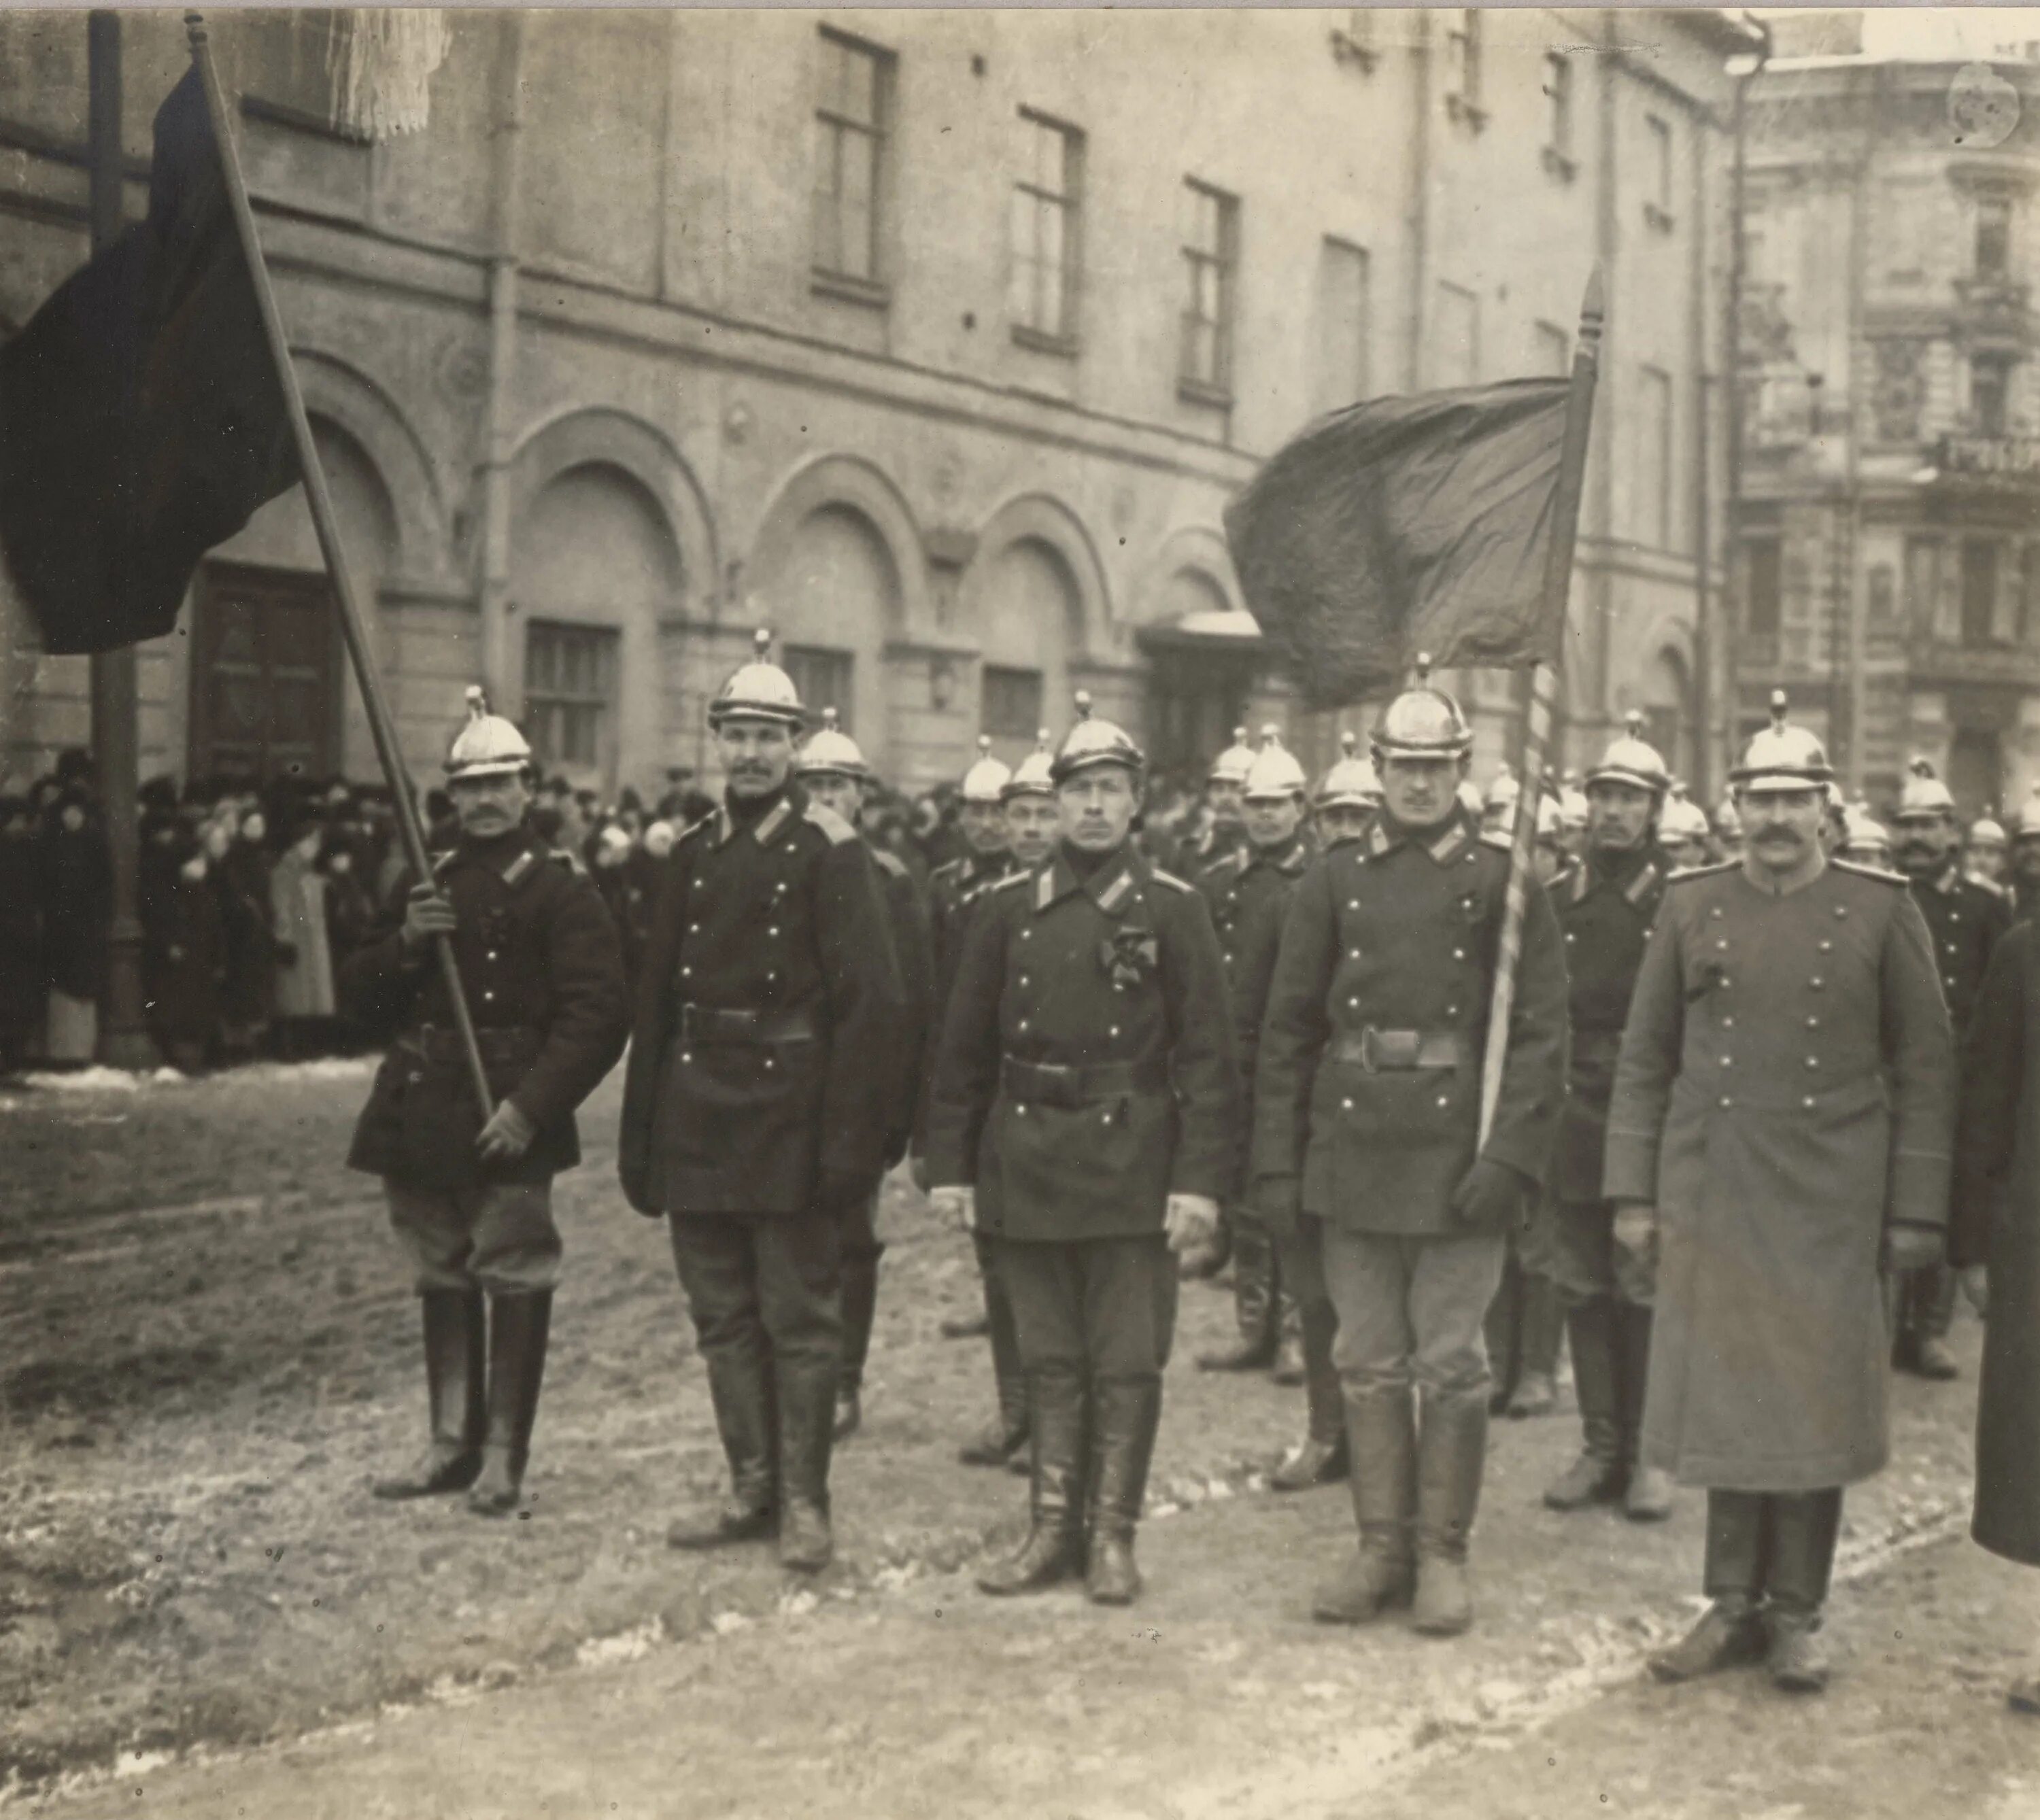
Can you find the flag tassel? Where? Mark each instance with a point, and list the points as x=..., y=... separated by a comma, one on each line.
x=326, y=524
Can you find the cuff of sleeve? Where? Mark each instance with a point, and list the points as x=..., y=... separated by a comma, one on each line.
x=1629, y=1171
x=1918, y=1193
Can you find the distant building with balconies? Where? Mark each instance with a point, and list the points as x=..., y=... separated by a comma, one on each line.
x=1888, y=532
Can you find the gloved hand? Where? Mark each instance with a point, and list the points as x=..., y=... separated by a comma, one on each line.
x=1636, y=1229
x=840, y=1190
x=1489, y=1196
x=427, y=913
x=1976, y=1285
x=506, y=1137
x=1908, y=1247
x=957, y=1202
x=1191, y=1222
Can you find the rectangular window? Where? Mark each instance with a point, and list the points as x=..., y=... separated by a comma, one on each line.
x=1558, y=103
x=1993, y=236
x=2029, y=593
x=1923, y=585
x=1554, y=347
x=1990, y=386
x=1979, y=591
x=1011, y=708
x=1653, y=477
x=1344, y=324
x=1764, y=607
x=1455, y=348
x=570, y=693
x=856, y=93
x=1211, y=241
x=1047, y=204
x=1658, y=173
x=1463, y=59
x=823, y=677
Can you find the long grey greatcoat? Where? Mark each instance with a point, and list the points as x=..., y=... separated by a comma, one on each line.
x=1997, y=1222
x=1786, y=1088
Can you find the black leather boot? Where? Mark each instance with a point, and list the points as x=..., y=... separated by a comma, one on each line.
x=806, y=1394
x=1128, y=1413
x=1502, y=1326
x=1451, y=1456
x=1543, y=1330
x=1600, y=1473
x=1381, y=1436
x=1738, y=1559
x=1933, y=1299
x=519, y=1326
x=860, y=1307
x=1649, y=1497
x=1254, y=1304
x=1003, y=1438
x=1057, y=1407
x=1805, y=1526
x=1323, y=1458
x=1291, y=1366
x=739, y=1385
x=457, y=1396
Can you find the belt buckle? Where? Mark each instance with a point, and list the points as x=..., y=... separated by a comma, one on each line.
x=1368, y=1061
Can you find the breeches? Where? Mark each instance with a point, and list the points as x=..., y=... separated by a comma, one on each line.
x=1410, y=1309
x=1100, y=1307
x=498, y=1236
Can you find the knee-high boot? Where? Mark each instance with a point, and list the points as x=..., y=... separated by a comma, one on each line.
x=1323, y=1456
x=747, y=1418
x=1543, y=1330
x=860, y=1308
x=1007, y=1433
x=1058, y=1408
x=519, y=1327
x=1381, y=1436
x=1254, y=1302
x=457, y=1395
x=1649, y=1498
x=806, y=1394
x=1601, y=1471
x=1452, y=1458
x=1127, y=1412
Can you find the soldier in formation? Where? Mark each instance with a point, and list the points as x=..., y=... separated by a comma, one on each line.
x=832, y=770
x=1367, y=1115
x=1605, y=904
x=1348, y=795
x=1084, y=1118
x=758, y=1105
x=470, y=1187
x=1779, y=1131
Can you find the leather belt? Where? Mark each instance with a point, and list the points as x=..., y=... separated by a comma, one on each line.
x=504, y=1043
x=1382, y=1051
x=712, y=1024
x=1049, y=1084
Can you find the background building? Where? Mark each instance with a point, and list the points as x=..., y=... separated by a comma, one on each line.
x=936, y=340
x=1888, y=544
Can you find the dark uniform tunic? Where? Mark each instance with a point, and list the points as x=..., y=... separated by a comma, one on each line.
x=542, y=974
x=1786, y=1088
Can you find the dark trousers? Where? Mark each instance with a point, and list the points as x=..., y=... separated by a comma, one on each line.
x=1777, y=1546
x=861, y=1250
x=1098, y=1308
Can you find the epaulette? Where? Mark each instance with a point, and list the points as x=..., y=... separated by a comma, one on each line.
x=1006, y=883
x=693, y=828
x=830, y=822
x=1877, y=872
x=984, y=885
x=1686, y=874
x=1169, y=880
x=445, y=860
x=571, y=861
x=890, y=862
x=1500, y=843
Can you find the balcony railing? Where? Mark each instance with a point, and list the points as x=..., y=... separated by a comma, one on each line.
x=2011, y=462
x=1995, y=295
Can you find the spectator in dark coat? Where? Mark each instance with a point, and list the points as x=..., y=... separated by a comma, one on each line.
x=184, y=961
x=22, y=985
x=248, y=991
x=78, y=907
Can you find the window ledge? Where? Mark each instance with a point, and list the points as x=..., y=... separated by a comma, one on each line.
x=1041, y=342
x=1348, y=49
x=1202, y=392
x=1564, y=169
x=846, y=288
x=1467, y=113
x=301, y=120
x=1655, y=218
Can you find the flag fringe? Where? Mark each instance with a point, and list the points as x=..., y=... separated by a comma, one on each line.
x=381, y=60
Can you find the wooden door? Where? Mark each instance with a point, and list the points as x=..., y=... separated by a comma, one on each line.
x=265, y=674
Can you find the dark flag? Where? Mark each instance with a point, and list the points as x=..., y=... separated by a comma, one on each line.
x=1405, y=525
x=141, y=420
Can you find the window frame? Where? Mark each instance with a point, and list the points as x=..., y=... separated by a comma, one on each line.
x=1010, y=722
x=1658, y=213
x=1770, y=546
x=1224, y=260
x=1560, y=93
x=2000, y=366
x=1658, y=534
x=1065, y=340
x=1992, y=205
x=805, y=663
x=1977, y=625
x=873, y=286
x=1362, y=343
x=543, y=698
x=1462, y=54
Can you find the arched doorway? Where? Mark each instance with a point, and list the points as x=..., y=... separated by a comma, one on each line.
x=1667, y=709
x=1205, y=654
x=830, y=599
x=1026, y=611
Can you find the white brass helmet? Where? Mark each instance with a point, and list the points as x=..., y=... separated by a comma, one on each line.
x=1469, y=796
x=1035, y=774
x=488, y=745
x=830, y=752
x=1986, y=831
x=1350, y=784
x=1572, y=806
x=986, y=780
x=1865, y=839
x=759, y=690
x=1684, y=819
x=1092, y=742
x=1728, y=819
x=1783, y=757
x=1422, y=723
x=1502, y=793
x=1632, y=759
x=2028, y=823
x=1923, y=793
x=1276, y=773
x=1231, y=766
x=1550, y=819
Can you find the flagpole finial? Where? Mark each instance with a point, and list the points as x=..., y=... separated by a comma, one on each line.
x=194, y=28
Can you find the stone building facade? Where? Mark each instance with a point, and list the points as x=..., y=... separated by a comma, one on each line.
x=936, y=341
x=1888, y=544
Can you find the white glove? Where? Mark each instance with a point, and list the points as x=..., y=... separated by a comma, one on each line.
x=957, y=1202
x=1636, y=1229
x=1191, y=1222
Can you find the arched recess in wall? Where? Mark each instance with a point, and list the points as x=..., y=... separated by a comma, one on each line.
x=1204, y=650
x=358, y=406
x=1665, y=699
x=1034, y=598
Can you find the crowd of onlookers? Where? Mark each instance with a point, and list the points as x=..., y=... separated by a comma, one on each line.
x=251, y=896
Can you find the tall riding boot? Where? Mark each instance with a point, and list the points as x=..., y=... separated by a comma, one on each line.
x=517, y=1328
x=1057, y=1406
x=1805, y=1526
x=1649, y=1495
x=1933, y=1313
x=1007, y=1433
x=1128, y=1413
x=1322, y=1457
x=1291, y=1366
x=457, y=1395
x=1381, y=1436
x=1254, y=1297
x=1452, y=1454
x=1536, y=1390
x=1738, y=1562
x=739, y=1386
x=806, y=1393
x=1601, y=1471
x=1503, y=1327
x=860, y=1306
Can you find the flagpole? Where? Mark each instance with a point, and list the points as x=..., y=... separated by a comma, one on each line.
x=325, y=522
x=1536, y=739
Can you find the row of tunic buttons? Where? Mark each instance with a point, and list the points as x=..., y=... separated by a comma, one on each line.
x=1817, y=981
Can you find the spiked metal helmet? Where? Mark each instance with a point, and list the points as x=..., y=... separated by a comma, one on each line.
x=1923, y=793
x=1987, y=831
x=1728, y=819
x=1093, y=741
x=759, y=690
x=1684, y=819
x=1632, y=759
x=1351, y=784
x=2028, y=823
x=830, y=752
x=1231, y=766
x=1783, y=757
x=488, y=745
x=1276, y=773
x=986, y=780
x=1421, y=723
x=1502, y=793
x=1035, y=774
x=1865, y=835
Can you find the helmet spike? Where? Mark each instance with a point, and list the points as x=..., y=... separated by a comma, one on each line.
x=761, y=642
x=1778, y=706
x=1083, y=703
x=1633, y=721
x=478, y=701
x=1349, y=741
x=1423, y=668
x=828, y=720
x=1921, y=767
x=984, y=744
x=1044, y=738
x=1271, y=734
